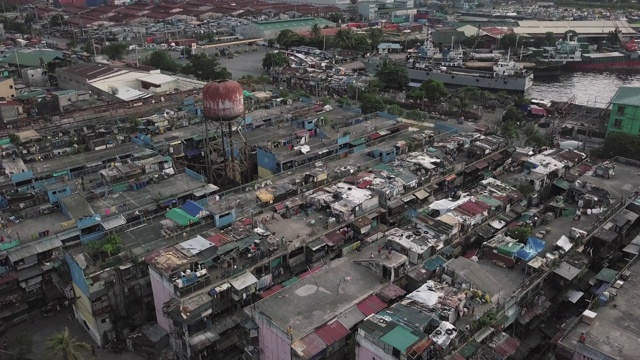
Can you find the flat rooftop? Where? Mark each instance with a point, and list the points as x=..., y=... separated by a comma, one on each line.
x=132, y=200
x=58, y=163
x=616, y=329
x=316, y=299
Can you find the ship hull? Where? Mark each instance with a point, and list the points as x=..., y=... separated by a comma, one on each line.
x=626, y=64
x=499, y=83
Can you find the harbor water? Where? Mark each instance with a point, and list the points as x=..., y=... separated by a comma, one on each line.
x=591, y=89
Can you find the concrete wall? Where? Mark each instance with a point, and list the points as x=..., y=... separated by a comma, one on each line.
x=77, y=277
x=84, y=314
x=7, y=89
x=162, y=292
x=274, y=343
x=365, y=350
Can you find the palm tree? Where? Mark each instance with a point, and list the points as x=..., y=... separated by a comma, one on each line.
x=375, y=36
x=345, y=39
x=315, y=31
x=65, y=347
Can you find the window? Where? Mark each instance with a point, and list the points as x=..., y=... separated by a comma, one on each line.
x=10, y=86
x=620, y=111
x=617, y=123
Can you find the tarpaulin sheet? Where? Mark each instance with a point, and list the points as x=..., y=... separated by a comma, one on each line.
x=534, y=247
x=194, y=209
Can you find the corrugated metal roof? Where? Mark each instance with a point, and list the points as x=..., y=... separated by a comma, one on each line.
x=504, y=345
x=400, y=338
x=390, y=292
x=371, y=305
x=332, y=332
x=309, y=346
x=351, y=317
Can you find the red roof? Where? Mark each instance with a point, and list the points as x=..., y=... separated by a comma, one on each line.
x=375, y=135
x=472, y=208
x=506, y=346
x=10, y=276
x=218, y=239
x=333, y=238
x=274, y=289
x=307, y=273
x=332, y=332
x=391, y=292
x=371, y=305
x=365, y=184
x=312, y=345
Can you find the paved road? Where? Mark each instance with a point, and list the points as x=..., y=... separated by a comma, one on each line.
x=43, y=328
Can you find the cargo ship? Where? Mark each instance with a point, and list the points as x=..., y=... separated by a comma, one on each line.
x=507, y=75
x=578, y=58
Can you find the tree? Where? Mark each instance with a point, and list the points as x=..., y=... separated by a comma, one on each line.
x=509, y=128
x=525, y=189
x=15, y=139
x=520, y=233
x=462, y=98
x=434, y=91
x=65, y=347
x=549, y=38
x=115, y=51
x=395, y=109
x=206, y=68
x=287, y=38
x=247, y=80
x=370, y=103
x=416, y=94
x=275, y=60
x=375, y=37
x=22, y=346
x=263, y=80
x=89, y=47
x=621, y=144
x=315, y=31
x=508, y=41
x=57, y=20
x=335, y=17
x=344, y=38
x=392, y=76
x=161, y=60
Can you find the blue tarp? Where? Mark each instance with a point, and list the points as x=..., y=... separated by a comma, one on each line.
x=534, y=247
x=194, y=209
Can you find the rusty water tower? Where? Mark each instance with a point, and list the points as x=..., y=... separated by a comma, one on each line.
x=227, y=152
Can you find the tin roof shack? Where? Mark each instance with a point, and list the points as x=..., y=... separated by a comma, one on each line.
x=416, y=246
x=294, y=323
x=353, y=202
x=435, y=228
x=541, y=170
x=472, y=212
x=176, y=272
x=502, y=250
x=28, y=278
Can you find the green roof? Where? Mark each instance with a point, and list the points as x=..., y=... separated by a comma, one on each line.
x=433, y=263
x=490, y=201
x=292, y=24
x=400, y=338
x=5, y=142
x=30, y=95
x=181, y=217
x=627, y=95
x=562, y=183
x=31, y=58
x=607, y=275
x=509, y=249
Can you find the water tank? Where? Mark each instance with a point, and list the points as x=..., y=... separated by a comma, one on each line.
x=223, y=100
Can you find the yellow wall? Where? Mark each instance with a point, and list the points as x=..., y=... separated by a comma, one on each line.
x=262, y=172
x=7, y=89
x=83, y=307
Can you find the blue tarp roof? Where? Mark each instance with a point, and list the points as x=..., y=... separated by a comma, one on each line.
x=533, y=248
x=194, y=209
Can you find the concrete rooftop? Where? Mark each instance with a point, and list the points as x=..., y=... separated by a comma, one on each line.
x=616, y=329
x=316, y=299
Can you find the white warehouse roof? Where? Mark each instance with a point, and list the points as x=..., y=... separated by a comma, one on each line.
x=584, y=28
x=157, y=79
